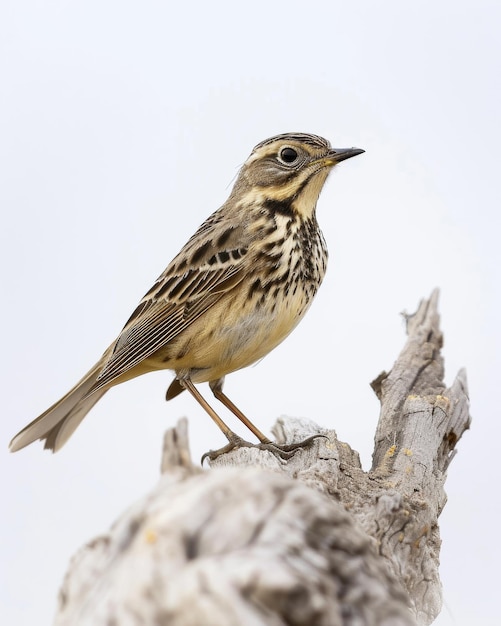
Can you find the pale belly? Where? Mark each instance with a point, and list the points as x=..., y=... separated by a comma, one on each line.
x=206, y=354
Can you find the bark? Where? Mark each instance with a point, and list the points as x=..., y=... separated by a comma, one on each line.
x=314, y=540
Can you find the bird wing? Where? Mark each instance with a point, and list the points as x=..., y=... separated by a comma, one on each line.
x=206, y=268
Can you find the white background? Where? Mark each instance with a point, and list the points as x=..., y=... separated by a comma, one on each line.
x=122, y=126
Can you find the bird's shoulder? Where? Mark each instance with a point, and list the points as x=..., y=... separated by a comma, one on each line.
x=216, y=252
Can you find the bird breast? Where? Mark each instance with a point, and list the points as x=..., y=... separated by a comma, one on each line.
x=254, y=318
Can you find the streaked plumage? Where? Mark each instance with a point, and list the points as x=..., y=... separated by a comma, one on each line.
x=237, y=288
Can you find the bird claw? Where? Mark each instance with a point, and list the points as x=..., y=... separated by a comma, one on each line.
x=234, y=442
x=282, y=450
x=287, y=450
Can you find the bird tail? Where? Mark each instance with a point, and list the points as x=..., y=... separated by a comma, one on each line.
x=58, y=423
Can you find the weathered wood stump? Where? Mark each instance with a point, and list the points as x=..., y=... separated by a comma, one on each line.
x=313, y=540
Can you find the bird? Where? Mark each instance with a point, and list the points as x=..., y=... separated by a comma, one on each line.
x=236, y=290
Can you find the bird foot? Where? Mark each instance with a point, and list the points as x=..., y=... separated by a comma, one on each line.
x=282, y=450
x=234, y=442
x=287, y=450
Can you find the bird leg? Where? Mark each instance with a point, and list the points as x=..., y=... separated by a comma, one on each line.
x=228, y=433
x=284, y=450
x=234, y=441
x=217, y=390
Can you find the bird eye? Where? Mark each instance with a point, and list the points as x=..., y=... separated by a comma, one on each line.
x=288, y=155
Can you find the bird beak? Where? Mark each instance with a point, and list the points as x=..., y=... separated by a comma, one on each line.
x=336, y=155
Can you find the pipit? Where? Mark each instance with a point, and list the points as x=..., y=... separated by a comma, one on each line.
x=238, y=287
